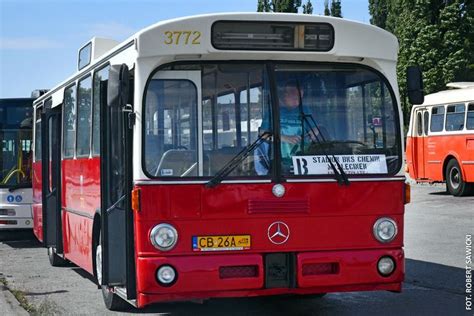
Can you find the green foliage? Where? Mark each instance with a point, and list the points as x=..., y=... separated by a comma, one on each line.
x=291, y=6
x=308, y=8
x=335, y=10
x=327, y=12
x=435, y=34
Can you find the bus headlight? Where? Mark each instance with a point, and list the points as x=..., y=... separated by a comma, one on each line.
x=385, y=229
x=164, y=237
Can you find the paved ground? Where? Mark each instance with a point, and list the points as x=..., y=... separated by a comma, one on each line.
x=435, y=228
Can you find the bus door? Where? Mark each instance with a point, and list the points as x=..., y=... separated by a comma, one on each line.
x=420, y=142
x=176, y=96
x=118, y=265
x=51, y=167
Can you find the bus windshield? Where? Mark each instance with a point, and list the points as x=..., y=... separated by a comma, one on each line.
x=15, y=136
x=326, y=111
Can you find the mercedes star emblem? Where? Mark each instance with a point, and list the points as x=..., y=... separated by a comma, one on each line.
x=278, y=233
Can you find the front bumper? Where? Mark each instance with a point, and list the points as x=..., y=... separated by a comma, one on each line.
x=20, y=219
x=198, y=276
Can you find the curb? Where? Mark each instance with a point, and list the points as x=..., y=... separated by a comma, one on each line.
x=9, y=305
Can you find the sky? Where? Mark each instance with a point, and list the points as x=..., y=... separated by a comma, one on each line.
x=39, y=39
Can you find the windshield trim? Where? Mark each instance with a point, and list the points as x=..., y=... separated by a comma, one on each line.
x=277, y=174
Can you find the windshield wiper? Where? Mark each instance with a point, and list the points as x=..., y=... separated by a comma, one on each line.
x=234, y=162
x=339, y=173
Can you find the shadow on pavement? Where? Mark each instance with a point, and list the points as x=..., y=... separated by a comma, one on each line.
x=439, y=193
x=17, y=235
x=435, y=276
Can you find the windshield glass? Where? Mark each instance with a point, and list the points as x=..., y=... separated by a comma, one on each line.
x=346, y=112
x=15, y=137
x=198, y=117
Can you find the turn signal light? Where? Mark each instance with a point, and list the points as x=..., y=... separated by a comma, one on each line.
x=136, y=200
x=407, y=193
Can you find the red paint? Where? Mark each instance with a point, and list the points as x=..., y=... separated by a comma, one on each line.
x=37, y=200
x=329, y=224
x=428, y=155
x=80, y=194
x=337, y=228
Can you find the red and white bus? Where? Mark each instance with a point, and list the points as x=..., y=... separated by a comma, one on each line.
x=16, y=117
x=440, y=139
x=176, y=165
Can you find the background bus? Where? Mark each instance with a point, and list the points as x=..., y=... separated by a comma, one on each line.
x=148, y=172
x=440, y=139
x=16, y=118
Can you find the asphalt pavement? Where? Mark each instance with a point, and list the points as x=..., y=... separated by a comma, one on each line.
x=436, y=225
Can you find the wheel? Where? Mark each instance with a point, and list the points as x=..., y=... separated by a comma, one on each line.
x=454, y=181
x=54, y=259
x=112, y=301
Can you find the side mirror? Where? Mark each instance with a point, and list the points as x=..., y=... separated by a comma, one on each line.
x=416, y=95
x=118, y=86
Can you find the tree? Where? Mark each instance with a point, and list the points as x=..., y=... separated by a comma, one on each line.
x=335, y=10
x=308, y=8
x=435, y=34
x=327, y=12
x=291, y=6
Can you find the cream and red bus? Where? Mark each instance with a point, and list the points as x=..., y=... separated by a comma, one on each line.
x=165, y=169
x=440, y=139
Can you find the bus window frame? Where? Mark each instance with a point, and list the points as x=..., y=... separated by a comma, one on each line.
x=469, y=104
x=81, y=79
x=94, y=105
x=382, y=79
x=443, y=106
x=446, y=116
x=63, y=147
x=38, y=108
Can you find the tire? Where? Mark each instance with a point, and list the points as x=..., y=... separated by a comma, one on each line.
x=54, y=259
x=112, y=301
x=455, y=184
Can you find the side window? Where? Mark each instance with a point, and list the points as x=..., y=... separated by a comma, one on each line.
x=426, y=118
x=470, y=116
x=69, y=121
x=84, y=99
x=437, y=118
x=100, y=96
x=38, y=133
x=419, y=124
x=455, y=117
x=251, y=109
x=226, y=122
x=171, y=128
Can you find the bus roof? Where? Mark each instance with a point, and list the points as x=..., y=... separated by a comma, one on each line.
x=449, y=96
x=353, y=41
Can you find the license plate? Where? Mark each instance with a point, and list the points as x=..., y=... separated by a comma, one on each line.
x=221, y=243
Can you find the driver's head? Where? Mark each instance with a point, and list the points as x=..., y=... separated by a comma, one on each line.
x=291, y=95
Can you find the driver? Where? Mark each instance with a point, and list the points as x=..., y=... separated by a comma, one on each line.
x=291, y=122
